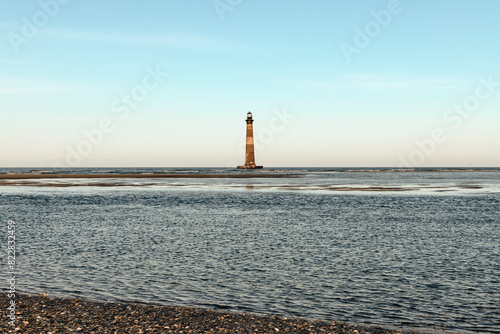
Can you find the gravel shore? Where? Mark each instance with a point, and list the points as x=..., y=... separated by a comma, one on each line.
x=42, y=314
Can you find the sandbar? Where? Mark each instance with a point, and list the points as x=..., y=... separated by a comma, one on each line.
x=141, y=176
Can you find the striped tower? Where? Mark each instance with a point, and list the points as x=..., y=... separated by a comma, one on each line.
x=250, y=151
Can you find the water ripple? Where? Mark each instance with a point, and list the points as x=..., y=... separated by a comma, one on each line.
x=391, y=259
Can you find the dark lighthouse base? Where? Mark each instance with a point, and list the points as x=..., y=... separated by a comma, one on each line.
x=250, y=167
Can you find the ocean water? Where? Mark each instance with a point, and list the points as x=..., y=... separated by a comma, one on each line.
x=413, y=248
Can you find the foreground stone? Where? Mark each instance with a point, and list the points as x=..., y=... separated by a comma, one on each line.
x=42, y=314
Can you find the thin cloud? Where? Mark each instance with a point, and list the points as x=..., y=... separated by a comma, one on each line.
x=311, y=79
x=180, y=40
x=380, y=81
x=7, y=25
x=16, y=86
x=376, y=82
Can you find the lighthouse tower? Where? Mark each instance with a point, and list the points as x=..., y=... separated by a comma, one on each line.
x=250, y=153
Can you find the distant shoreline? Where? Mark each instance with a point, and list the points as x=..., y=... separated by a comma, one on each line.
x=141, y=176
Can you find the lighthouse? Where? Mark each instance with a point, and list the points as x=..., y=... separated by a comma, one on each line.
x=250, y=153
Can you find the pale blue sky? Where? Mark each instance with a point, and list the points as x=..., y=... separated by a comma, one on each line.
x=65, y=66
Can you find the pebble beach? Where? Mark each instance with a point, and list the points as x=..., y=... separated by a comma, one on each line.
x=45, y=314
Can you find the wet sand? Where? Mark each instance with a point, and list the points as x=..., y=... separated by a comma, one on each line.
x=75, y=182
x=42, y=314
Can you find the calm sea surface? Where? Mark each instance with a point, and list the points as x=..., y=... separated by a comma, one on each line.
x=376, y=246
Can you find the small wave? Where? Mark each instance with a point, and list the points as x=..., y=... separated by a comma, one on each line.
x=363, y=170
x=181, y=171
